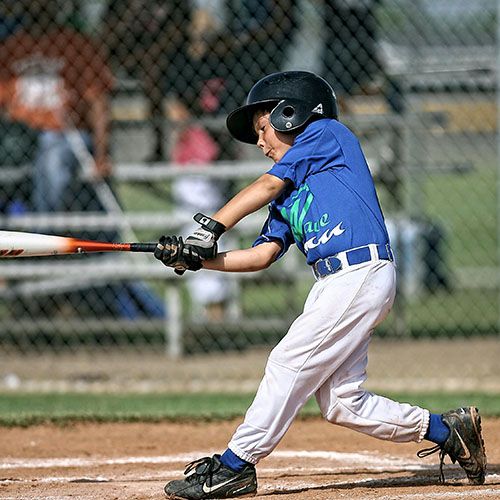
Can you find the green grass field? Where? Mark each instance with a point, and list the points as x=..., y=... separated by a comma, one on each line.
x=24, y=409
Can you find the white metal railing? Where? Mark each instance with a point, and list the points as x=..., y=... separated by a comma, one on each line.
x=165, y=221
x=28, y=278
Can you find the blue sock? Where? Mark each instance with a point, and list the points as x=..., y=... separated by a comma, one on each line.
x=438, y=431
x=234, y=462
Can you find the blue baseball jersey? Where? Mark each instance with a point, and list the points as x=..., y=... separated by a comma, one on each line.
x=330, y=204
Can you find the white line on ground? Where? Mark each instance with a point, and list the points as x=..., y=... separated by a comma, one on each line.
x=455, y=495
x=365, y=459
x=354, y=463
x=46, y=463
x=264, y=472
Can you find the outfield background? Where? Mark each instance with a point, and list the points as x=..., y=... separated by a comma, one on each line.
x=126, y=327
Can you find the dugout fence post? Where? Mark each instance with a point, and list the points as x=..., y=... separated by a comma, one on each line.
x=173, y=322
x=401, y=151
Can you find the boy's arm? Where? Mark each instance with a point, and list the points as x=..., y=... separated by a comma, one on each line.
x=250, y=199
x=173, y=252
x=247, y=260
x=202, y=244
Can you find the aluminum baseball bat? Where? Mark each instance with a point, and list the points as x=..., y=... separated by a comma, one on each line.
x=20, y=244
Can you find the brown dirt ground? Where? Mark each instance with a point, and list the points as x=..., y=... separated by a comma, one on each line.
x=133, y=461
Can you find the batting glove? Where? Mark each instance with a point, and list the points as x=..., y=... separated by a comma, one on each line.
x=204, y=239
x=174, y=252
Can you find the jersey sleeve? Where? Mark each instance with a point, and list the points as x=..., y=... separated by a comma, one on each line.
x=275, y=229
x=313, y=151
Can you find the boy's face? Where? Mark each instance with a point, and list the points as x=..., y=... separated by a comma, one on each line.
x=273, y=144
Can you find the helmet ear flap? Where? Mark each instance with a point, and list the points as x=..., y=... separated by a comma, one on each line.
x=289, y=115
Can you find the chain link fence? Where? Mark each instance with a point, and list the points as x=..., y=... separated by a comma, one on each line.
x=138, y=91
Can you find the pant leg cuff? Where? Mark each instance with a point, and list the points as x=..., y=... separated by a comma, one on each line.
x=241, y=454
x=424, y=425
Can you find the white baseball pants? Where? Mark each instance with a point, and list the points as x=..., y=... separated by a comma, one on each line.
x=325, y=353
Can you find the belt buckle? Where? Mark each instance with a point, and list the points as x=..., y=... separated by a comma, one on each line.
x=336, y=268
x=328, y=265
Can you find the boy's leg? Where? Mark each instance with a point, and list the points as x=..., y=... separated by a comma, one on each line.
x=457, y=433
x=344, y=401
x=339, y=315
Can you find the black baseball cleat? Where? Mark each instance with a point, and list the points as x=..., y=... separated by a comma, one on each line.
x=209, y=478
x=464, y=445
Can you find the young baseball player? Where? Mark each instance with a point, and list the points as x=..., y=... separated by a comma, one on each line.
x=321, y=197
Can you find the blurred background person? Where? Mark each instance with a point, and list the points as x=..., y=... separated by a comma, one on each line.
x=210, y=293
x=161, y=45
x=17, y=141
x=230, y=45
x=54, y=79
x=191, y=97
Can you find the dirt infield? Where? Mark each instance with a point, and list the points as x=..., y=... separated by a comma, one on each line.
x=314, y=461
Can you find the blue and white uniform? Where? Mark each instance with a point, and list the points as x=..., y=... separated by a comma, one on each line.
x=331, y=205
x=330, y=210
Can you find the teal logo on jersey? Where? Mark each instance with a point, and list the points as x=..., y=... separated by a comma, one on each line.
x=312, y=231
x=315, y=226
x=296, y=212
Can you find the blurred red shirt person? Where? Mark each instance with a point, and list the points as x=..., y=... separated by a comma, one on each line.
x=55, y=79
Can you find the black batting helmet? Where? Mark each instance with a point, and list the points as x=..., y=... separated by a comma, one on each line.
x=295, y=98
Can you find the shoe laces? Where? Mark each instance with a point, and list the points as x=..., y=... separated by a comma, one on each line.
x=429, y=451
x=203, y=470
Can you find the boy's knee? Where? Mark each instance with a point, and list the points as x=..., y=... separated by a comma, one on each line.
x=344, y=406
x=280, y=358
